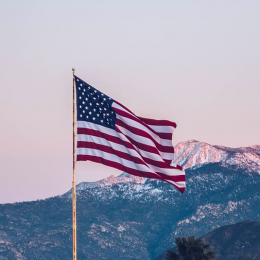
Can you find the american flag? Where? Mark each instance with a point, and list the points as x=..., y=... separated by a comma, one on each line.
x=109, y=133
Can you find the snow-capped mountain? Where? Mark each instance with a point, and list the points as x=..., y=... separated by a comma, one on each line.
x=193, y=153
x=128, y=217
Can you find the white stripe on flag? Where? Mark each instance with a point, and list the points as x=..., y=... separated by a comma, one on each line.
x=162, y=128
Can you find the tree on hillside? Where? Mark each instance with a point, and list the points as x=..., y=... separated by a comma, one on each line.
x=191, y=248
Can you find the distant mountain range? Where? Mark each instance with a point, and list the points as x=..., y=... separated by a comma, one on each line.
x=192, y=153
x=129, y=217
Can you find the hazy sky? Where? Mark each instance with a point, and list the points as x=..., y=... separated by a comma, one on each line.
x=194, y=62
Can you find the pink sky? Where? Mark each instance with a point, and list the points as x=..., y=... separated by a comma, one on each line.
x=194, y=63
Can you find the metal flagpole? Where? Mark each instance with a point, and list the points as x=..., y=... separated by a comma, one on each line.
x=73, y=179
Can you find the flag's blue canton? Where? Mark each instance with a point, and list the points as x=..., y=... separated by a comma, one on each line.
x=94, y=106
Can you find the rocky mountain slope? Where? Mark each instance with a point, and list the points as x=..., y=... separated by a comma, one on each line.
x=128, y=217
x=192, y=153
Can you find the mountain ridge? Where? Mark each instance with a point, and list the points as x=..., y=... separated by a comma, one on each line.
x=192, y=153
x=129, y=220
x=128, y=217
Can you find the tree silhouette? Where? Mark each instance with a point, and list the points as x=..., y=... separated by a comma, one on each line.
x=191, y=248
x=170, y=255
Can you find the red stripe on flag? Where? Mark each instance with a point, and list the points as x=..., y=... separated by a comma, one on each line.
x=150, y=121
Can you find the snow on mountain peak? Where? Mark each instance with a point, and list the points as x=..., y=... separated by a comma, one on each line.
x=192, y=153
x=112, y=180
x=122, y=178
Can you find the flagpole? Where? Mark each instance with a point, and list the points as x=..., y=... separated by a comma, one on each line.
x=73, y=178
